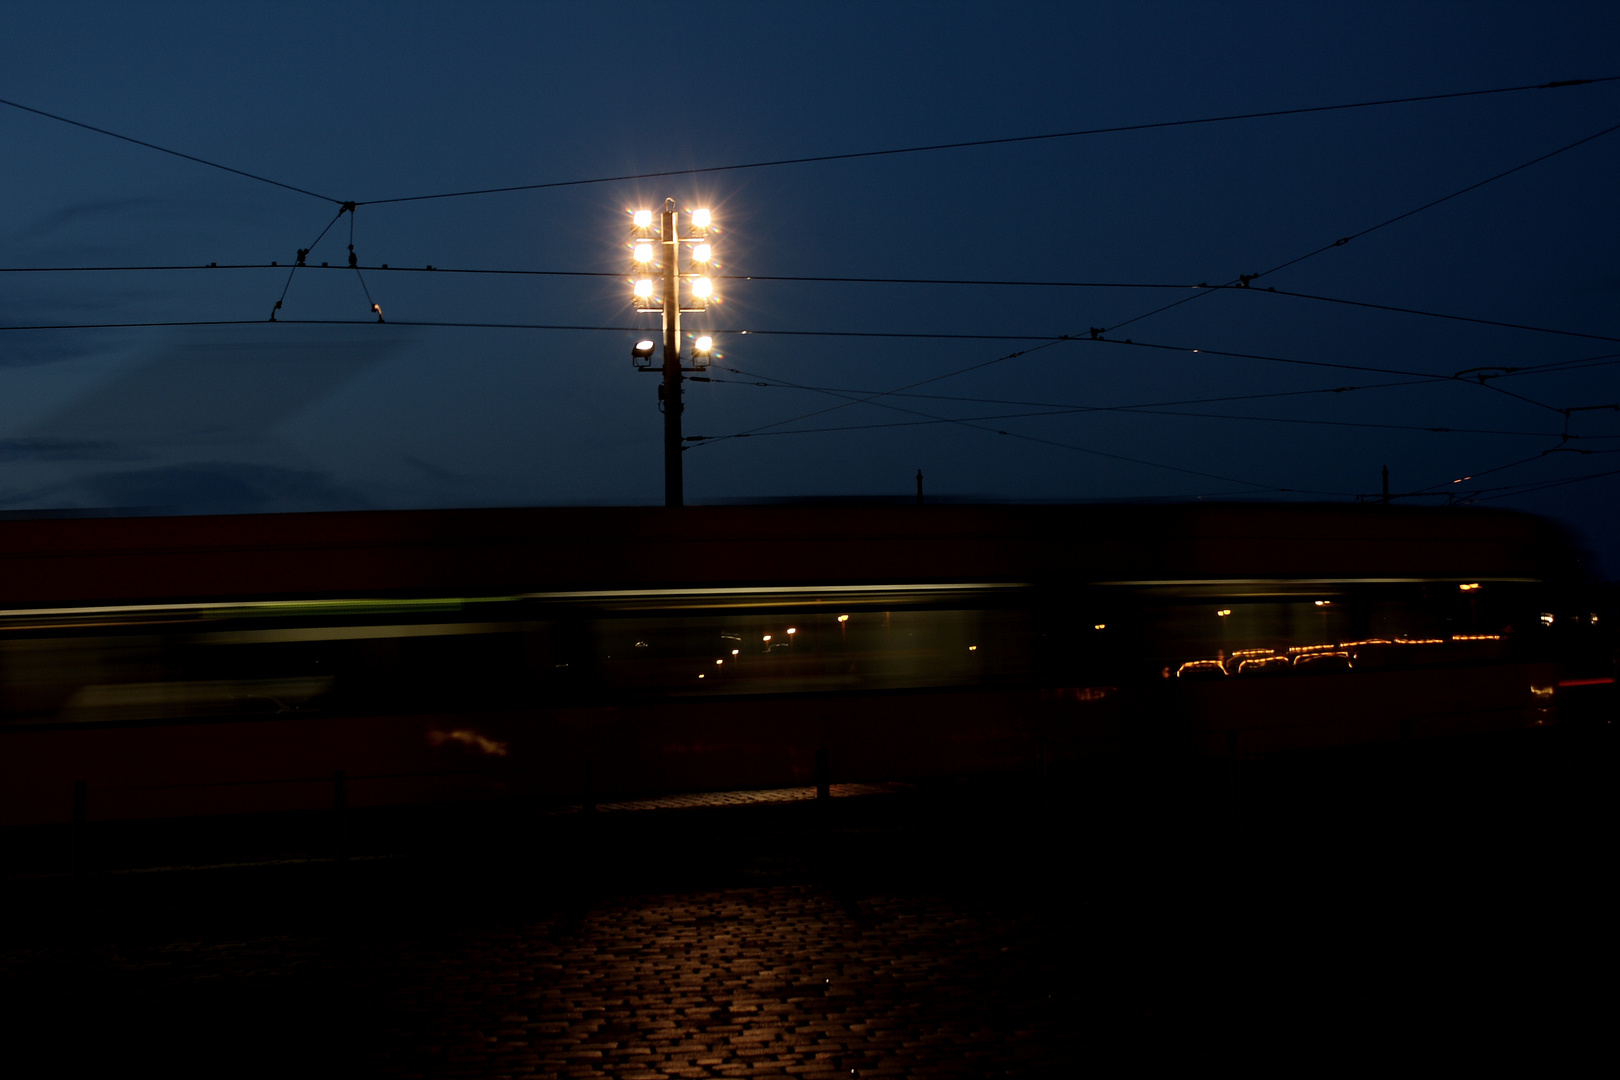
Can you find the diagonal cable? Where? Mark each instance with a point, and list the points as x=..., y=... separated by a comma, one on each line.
x=1243, y=279
x=1000, y=141
x=166, y=150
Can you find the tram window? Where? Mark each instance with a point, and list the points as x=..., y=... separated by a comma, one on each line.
x=1342, y=626
x=770, y=653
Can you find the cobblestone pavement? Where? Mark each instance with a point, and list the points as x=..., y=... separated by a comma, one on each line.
x=963, y=933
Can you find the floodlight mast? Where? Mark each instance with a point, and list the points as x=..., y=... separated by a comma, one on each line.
x=670, y=391
x=665, y=297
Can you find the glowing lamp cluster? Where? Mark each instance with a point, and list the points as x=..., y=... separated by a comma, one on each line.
x=647, y=237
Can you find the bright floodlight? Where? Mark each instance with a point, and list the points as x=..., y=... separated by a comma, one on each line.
x=703, y=345
x=644, y=253
x=643, y=218
x=700, y=219
x=644, y=288
x=701, y=253
x=702, y=288
x=644, y=347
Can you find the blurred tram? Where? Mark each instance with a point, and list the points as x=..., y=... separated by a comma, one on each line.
x=205, y=665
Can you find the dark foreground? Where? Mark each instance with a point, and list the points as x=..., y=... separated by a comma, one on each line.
x=1436, y=908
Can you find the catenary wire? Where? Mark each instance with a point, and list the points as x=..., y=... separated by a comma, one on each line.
x=166, y=150
x=1045, y=342
x=1141, y=410
x=1245, y=279
x=294, y=268
x=383, y=268
x=971, y=423
x=1433, y=314
x=992, y=142
x=1532, y=488
x=1343, y=240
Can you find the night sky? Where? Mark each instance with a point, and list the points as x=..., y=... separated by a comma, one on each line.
x=376, y=102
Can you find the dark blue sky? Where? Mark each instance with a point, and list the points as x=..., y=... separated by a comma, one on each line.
x=369, y=102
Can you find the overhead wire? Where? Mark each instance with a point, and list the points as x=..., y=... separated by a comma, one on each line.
x=1006, y=140
x=1529, y=489
x=166, y=150
x=432, y=269
x=1093, y=451
x=300, y=261
x=1243, y=280
x=1432, y=314
x=1139, y=410
x=1044, y=342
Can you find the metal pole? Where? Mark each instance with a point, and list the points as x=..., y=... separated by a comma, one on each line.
x=670, y=391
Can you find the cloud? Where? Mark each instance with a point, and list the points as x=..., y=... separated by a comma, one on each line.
x=38, y=449
x=215, y=488
x=49, y=228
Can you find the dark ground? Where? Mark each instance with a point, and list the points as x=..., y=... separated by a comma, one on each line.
x=1444, y=907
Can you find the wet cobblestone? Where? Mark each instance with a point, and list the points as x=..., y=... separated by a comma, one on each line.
x=912, y=935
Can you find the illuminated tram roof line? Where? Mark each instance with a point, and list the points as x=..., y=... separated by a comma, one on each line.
x=775, y=592
x=1251, y=582
x=359, y=605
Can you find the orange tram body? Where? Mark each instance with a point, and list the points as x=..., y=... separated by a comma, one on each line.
x=177, y=666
